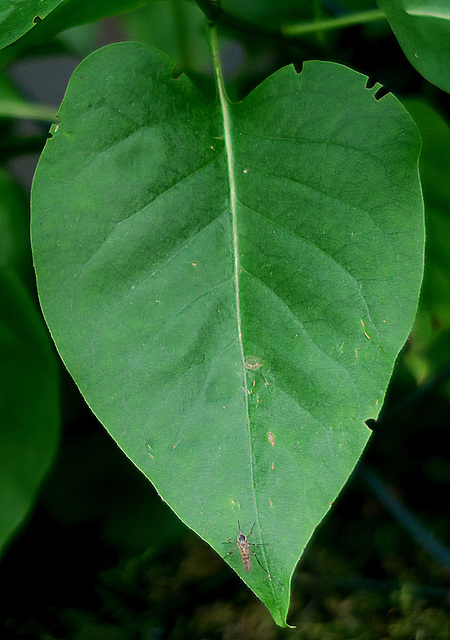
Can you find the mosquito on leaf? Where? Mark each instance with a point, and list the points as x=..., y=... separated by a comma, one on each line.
x=244, y=548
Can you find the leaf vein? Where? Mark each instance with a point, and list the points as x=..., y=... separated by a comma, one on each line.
x=323, y=252
x=300, y=326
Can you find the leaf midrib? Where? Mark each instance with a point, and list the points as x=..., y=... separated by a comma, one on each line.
x=224, y=105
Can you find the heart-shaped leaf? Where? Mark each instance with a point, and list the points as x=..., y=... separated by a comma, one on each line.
x=230, y=284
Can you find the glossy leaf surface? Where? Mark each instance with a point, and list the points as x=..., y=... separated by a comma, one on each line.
x=229, y=284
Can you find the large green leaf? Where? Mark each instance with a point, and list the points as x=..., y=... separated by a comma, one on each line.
x=230, y=284
x=422, y=28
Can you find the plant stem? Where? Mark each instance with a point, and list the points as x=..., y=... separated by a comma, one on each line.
x=326, y=24
x=211, y=9
x=27, y=111
x=215, y=58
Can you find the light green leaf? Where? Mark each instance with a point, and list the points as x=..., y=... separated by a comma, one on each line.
x=229, y=284
x=19, y=16
x=28, y=404
x=432, y=8
x=422, y=28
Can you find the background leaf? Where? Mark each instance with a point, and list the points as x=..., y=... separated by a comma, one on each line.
x=178, y=29
x=14, y=225
x=18, y=16
x=429, y=344
x=423, y=31
x=140, y=239
x=29, y=404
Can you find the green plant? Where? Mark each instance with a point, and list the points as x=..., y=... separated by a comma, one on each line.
x=230, y=282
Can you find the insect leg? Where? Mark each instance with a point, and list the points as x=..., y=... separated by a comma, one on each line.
x=258, y=561
x=264, y=568
x=229, y=553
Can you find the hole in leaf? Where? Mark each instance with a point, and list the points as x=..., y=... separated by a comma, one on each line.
x=382, y=91
x=298, y=66
x=37, y=19
x=177, y=71
x=371, y=82
x=50, y=134
x=371, y=423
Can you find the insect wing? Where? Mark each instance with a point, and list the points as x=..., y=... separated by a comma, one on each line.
x=246, y=562
x=244, y=551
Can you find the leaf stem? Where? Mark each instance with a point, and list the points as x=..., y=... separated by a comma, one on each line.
x=27, y=111
x=217, y=67
x=327, y=24
x=224, y=104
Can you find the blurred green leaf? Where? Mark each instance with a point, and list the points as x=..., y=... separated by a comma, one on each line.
x=429, y=347
x=354, y=5
x=422, y=29
x=19, y=16
x=14, y=225
x=176, y=27
x=270, y=13
x=63, y=15
x=75, y=12
x=28, y=404
x=230, y=284
x=28, y=372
